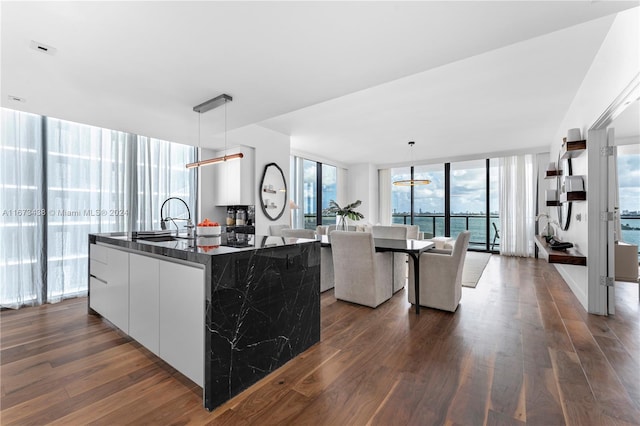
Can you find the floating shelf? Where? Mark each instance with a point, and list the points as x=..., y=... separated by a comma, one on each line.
x=553, y=203
x=552, y=174
x=573, y=149
x=573, y=196
x=569, y=256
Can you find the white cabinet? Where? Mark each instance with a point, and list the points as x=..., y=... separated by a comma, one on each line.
x=159, y=303
x=109, y=284
x=234, y=180
x=144, y=301
x=182, y=306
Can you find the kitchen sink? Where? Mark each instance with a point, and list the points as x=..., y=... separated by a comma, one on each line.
x=158, y=239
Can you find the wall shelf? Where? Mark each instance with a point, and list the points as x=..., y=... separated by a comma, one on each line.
x=552, y=174
x=573, y=196
x=573, y=149
x=569, y=256
x=555, y=203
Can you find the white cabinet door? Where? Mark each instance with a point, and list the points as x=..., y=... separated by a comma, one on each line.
x=144, y=301
x=182, y=325
x=109, y=284
x=235, y=180
x=118, y=288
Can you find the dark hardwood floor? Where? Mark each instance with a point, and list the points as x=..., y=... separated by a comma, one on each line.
x=519, y=350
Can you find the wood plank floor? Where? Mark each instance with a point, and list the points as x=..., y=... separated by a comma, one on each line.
x=519, y=350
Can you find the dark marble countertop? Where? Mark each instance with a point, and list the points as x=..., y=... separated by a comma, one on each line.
x=198, y=250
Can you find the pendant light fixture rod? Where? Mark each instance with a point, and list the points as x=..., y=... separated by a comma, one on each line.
x=212, y=103
x=412, y=181
x=207, y=106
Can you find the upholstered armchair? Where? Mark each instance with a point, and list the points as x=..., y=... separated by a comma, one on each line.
x=399, y=270
x=326, y=262
x=298, y=233
x=276, y=230
x=362, y=276
x=413, y=231
x=441, y=276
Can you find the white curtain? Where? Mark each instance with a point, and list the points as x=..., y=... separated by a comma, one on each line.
x=22, y=212
x=384, y=188
x=88, y=190
x=61, y=181
x=160, y=174
x=518, y=177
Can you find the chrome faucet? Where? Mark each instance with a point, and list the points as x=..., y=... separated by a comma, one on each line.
x=163, y=220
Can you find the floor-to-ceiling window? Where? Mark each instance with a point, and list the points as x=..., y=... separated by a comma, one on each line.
x=314, y=185
x=461, y=196
x=64, y=180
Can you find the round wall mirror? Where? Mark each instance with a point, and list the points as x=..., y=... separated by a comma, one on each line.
x=564, y=208
x=273, y=191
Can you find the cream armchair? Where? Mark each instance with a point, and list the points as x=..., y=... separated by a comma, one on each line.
x=399, y=270
x=362, y=276
x=276, y=230
x=441, y=276
x=326, y=262
x=298, y=233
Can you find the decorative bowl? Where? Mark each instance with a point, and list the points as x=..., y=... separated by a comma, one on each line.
x=207, y=230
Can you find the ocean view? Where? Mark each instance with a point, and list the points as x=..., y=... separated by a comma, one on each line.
x=631, y=236
x=477, y=225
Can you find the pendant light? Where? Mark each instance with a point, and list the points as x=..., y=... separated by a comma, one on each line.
x=412, y=181
x=207, y=106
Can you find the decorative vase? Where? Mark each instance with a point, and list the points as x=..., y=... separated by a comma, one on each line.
x=548, y=232
x=342, y=224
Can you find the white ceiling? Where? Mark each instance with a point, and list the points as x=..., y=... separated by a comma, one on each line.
x=352, y=81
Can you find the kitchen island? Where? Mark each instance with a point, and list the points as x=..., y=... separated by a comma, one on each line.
x=225, y=315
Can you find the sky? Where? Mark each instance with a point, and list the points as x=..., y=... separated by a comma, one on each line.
x=629, y=177
x=468, y=185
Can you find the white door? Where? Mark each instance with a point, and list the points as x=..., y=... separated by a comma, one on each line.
x=612, y=179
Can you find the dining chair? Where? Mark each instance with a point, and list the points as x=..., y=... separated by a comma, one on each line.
x=496, y=235
x=441, y=276
x=276, y=230
x=399, y=260
x=299, y=233
x=362, y=276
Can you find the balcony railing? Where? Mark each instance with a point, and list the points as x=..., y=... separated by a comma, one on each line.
x=434, y=224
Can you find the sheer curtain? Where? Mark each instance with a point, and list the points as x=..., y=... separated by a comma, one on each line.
x=61, y=181
x=518, y=176
x=160, y=174
x=22, y=210
x=87, y=192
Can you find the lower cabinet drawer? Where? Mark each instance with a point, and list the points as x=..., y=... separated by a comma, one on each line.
x=98, y=296
x=98, y=269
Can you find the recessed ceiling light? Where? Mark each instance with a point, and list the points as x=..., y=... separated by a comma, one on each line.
x=43, y=48
x=16, y=98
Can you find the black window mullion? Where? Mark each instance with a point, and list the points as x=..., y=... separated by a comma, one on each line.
x=318, y=193
x=45, y=206
x=447, y=199
x=412, y=196
x=488, y=201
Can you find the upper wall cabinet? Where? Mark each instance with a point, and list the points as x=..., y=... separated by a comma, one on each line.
x=234, y=180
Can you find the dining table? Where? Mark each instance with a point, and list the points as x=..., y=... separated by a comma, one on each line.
x=413, y=248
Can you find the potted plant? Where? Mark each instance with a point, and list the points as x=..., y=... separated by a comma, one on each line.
x=344, y=213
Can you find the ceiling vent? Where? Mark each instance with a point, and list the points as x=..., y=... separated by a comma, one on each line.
x=43, y=48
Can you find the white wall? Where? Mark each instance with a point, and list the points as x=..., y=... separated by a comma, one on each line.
x=363, y=185
x=270, y=147
x=614, y=66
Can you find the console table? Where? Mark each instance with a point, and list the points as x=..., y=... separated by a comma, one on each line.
x=569, y=256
